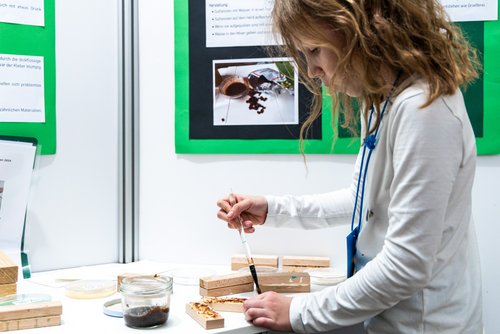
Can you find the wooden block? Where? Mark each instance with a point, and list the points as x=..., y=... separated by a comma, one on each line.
x=35, y=310
x=8, y=270
x=227, y=304
x=298, y=269
x=306, y=261
x=8, y=289
x=12, y=325
x=204, y=315
x=283, y=288
x=285, y=282
x=228, y=290
x=239, y=261
x=222, y=281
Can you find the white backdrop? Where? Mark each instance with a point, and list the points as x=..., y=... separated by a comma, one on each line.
x=73, y=214
x=178, y=192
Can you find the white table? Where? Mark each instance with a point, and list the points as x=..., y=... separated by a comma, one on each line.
x=86, y=315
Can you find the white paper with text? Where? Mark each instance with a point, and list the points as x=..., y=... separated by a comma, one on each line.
x=471, y=10
x=232, y=23
x=22, y=89
x=29, y=12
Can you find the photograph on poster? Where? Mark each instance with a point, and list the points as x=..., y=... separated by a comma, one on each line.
x=255, y=92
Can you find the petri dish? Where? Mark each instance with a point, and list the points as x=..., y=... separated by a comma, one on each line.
x=90, y=289
x=325, y=276
x=25, y=298
x=189, y=275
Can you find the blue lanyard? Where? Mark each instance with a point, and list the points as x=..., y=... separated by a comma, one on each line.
x=369, y=142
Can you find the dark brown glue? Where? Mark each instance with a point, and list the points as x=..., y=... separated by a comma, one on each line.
x=146, y=316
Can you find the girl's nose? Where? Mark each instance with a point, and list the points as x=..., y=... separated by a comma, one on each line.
x=313, y=71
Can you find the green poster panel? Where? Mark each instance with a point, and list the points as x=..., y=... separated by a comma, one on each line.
x=27, y=40
x=489, y=143
x=479, y=98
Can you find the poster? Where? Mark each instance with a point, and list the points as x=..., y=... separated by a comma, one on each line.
x=221, y=33
x=28, y=76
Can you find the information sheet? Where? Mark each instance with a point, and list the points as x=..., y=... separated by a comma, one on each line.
x=30, y=12
x=471, y=10
x=238, y=23
x=21, y=89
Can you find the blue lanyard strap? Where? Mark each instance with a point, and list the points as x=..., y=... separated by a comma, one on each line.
x=369, y=142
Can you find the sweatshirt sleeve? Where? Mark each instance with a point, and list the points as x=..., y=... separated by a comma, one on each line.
x=426, y=145
x=313, y=211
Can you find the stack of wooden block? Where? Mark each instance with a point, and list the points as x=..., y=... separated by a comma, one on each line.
x=222, y=285
x=8, y=276
x=25, y=316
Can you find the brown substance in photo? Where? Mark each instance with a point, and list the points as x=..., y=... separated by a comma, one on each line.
x=235, y=89
x=254, y=101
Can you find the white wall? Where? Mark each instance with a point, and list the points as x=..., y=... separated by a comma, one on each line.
x=73, y=213
x=179, y=192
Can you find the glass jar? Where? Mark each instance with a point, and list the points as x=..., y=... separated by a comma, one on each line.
x=146, y=300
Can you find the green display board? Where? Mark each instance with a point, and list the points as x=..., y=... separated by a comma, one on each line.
x=28, y=40
x=190, y=60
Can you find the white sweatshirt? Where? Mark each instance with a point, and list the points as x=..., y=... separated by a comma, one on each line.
x=422, y=272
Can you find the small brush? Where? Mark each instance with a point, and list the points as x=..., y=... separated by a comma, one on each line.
x=251, y=265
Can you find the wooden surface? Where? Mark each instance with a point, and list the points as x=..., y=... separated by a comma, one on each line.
x=16, y=324
x=228, y=290
x=204, y=321
x=8, y=289
x=35, y=310
x=223, y=281
x=306, y=261
x=285, y=282
x=226, y=304
x=8, y=270
x=240, y=261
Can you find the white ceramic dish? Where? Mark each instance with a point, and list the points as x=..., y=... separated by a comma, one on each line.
x=325, y=276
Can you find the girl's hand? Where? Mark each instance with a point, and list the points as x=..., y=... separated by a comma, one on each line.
x=269, y=310
x=251, y=209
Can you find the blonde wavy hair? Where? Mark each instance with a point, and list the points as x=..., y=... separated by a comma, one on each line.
x=414, y=38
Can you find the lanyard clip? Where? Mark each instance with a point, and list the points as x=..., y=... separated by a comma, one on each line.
x=370, y=142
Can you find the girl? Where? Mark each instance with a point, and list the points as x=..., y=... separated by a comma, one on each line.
x=413, y=260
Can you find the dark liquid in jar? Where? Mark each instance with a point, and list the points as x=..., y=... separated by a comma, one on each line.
x=235, y=89
x=146, y=316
